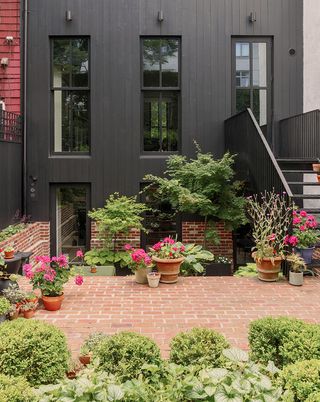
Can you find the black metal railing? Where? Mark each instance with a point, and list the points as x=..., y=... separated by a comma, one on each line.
x=299, y=136
x=255, y=162
x=10, y=127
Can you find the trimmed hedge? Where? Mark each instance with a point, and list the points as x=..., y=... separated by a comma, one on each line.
x=125, y=353
x=15, y=389
x=200, y=346
x=33, y=349
x=283, y=340
x=301, y=380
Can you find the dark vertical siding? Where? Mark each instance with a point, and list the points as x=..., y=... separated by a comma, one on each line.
x=206, y=28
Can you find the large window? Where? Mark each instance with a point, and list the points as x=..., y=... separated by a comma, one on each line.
x=252, y=76
x=70, y=92
x=161, y=93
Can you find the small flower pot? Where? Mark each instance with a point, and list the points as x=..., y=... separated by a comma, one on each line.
x=268, y=269
x=28, y=314
x=316, y=167
x=8, y=255
x=52, y=303
x=318, y=178
x=168, y=268
x=14, y=316
x=85, y=360
x=71, y=375
x=306, y=254
x=153, y=279
x=296, y=278
x=140, y=275
x=93, y=270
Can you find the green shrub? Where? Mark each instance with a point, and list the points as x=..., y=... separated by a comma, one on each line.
x=124, y=354
x=200, y=346
x=92, y=342
x=314, y=397
x=4, y=306
x=268, y=335
x=300, y=380
x=33, y=349
x=11, y=230
x=15, y=389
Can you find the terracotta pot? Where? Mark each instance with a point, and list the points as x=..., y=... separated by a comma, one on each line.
x=52, y=303
x=316, y=167
x=71, y=375
x=296, y=278
x=318, y=177
x=153, y=279
x=8, y=255
x=14, y=316
x=93, y=270
x=140, y=275
x=168, y=268
x=268, y=270
x=28, y=314
x=85, y=360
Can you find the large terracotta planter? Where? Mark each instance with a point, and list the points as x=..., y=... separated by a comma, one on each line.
x=52, y=303
x=268, y=269
x=168, y=268
x=140, y=275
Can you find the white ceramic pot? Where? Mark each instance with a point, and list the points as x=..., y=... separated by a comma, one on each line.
x=296, y=278
x=140, y=275
x=154, y=279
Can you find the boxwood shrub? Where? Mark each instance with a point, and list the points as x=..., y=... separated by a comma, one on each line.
x=15, y=389
x=125, y=353
x=33, y=349
x=301, y=380
x=283, y=340
x=200, y=346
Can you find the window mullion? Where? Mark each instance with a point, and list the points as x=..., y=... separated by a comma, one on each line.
x=160, y=119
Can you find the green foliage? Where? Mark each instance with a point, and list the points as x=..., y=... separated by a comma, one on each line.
x=241, y=381
x=11, y=230
x=119, y=215
x=247, y=271
x=15, y=389
x=195, y=258
x=200, y=346
x=4, y=306
x=14, y=294
x=283, y=340
x=314, y=397
x=201, y=186
x=300, y=381
x=92, y=342
x=104, y=257
x=124, y=354
x=33, y=349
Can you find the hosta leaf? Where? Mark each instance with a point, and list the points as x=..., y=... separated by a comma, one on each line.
x=115, y=393
x=236, y=355
x=210, y=390
x=215, y=373
x=221, y=396
x=271, y=367
x=198, y=267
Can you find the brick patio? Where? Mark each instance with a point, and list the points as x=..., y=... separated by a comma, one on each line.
x=227, y=304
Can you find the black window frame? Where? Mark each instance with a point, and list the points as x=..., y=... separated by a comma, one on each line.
x=52, y=151
x=160, y=90
x=269, y=78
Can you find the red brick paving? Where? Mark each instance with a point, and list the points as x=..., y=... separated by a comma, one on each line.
x=227, y=304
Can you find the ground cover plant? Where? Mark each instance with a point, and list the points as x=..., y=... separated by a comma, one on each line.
x=15, y=389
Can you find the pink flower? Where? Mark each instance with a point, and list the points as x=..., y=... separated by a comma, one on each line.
x=27, y=270
x=78, y=280
x=157, y=246
x=302, y=228
x=43, y=258
x=296, y=221
x=294, y=213
x=168, y=240
x=147, y=260
x=50, y=275
x=127, y=247
x=79, y=254
x=174, y=248
x=303, y=214
x=293, y=240
x=182, y=249
x=272, y=237
x=62, y=261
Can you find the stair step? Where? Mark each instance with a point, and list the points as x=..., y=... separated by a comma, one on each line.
x=307, y=196
x=304, y=183
x=314, y=211
x=296, y=160
x=299, y=171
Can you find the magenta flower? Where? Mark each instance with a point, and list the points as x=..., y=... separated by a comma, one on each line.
x=78, y=280
x=296, y=221
x=302, y=228
x=182, y=248
x=27, y=270
x=127, y=247
x=62, y=261
x=303, y=214
x=272, y=237
x=168, y=240
x=79, y=254
x=293, y=240
x=157, y=246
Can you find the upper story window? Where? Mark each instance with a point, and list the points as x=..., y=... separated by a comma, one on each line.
x=71, y=92
x=161, y=94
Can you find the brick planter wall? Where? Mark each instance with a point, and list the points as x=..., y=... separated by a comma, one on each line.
x=132, y=238
x=35, y=238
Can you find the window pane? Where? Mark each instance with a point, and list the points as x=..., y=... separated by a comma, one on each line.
x=71, y=121
x=243, y=79
x=260, y=106
x=71, y=213
x=151, y=127
x=70, y=62
x=259, y=64
x=242, y=99
x=170, y=62
x=243, y=64
x=151, y=62
x=169, y=115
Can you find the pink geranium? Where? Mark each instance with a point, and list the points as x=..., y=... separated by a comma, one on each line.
x=78, y=280
x=296, y=221
x=127, y=247
x=139, y=259
x=79, y=254
x=303, y=214
x=168, y=248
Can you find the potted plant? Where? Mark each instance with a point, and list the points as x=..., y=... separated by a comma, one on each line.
x=106, y=260
x=297, y=267
x=153, y=279
x=305, y=236
x=140, y=263
x=196, y=260
x=89, y=345
x=6, y=278
x=167, y=254
x=316, y=166
x=29, y=309
x=73, y=369
x=50, y=275
x=271, y=217
x=9, y=252
x=119, y=215
x=221, y=266
x=13, y=312
x=4, y=308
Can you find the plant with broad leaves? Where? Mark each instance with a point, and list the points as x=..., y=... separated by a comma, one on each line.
x=195, y=260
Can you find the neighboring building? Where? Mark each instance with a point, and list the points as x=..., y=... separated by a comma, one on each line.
x=116, y=86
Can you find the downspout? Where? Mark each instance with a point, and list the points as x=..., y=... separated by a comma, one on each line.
x=25, y=40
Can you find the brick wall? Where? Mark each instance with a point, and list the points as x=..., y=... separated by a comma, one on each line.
x=193, y=232
x=132, y=238
x=10, y=76
x=35, y=237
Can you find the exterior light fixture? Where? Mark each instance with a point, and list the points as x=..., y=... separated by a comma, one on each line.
x=160, y=16
x=4, y=62
x=68, y=15
x=253, y=17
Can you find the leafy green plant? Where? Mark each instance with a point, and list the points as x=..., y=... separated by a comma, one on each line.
x=283, y=340
x=91, y=343
x=33, y=349
x=4, y=306
x=200, y=346
x=314, y=397
x=104, y=257
x=300, y=380
x=15, y=389
x=195, y=259
x=247, y=271
x=201, y=186
x=11, y=230
x=14, y=294
x=124, y=354
x=296, y=263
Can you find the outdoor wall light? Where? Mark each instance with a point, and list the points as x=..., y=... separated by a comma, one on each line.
x=4, y=62
x=253, y=17
x=160, y=16
x=68, y=15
